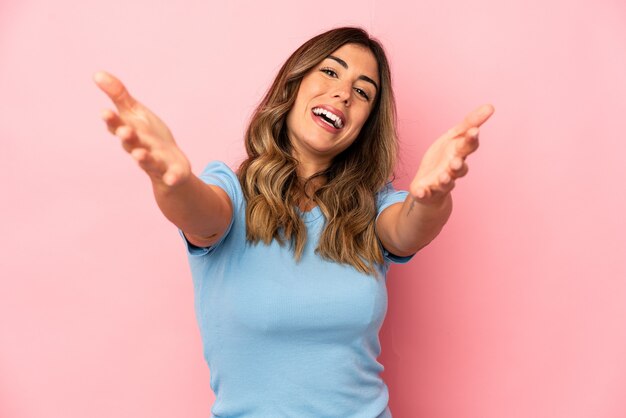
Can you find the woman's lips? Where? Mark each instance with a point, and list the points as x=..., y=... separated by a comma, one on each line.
x=325, y=125
x=334, y=111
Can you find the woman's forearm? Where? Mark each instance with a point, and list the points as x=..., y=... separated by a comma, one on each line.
x=200, y=210
x=406, y=228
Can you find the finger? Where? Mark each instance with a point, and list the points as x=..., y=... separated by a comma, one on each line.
x=479, y=115
x=474, y=119
x=147, y=162
x=140, y=155
x=444, y=178
x=170, y=177
x=443, y=184
x=129, y=138
x=456, y=164
x=112, y=120
x=446, y=183
x=447, y=188
x=115, y=90
x=461, y=171
x=420, y=192
x=468, y=143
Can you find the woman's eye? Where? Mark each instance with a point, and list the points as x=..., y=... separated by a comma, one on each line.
x=362, y=93
x=329, y=72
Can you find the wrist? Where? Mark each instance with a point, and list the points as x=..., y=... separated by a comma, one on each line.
x=434, y=204
x=180, y=183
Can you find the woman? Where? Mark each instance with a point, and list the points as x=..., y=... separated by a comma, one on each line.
x=289, y=255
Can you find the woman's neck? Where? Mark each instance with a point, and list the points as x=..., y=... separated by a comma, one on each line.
x=308, y=189
x=305, y=170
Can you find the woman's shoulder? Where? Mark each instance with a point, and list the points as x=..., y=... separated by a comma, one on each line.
x=219, y=174
x=388, y=195
x=218, y=168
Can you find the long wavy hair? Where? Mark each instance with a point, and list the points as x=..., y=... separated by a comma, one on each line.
x=347, y=198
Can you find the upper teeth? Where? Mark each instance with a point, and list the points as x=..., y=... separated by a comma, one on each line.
x=336, y=119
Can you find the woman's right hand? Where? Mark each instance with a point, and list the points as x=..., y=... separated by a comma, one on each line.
x=143, y=135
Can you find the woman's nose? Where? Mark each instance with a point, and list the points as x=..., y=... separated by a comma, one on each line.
x=344, y=92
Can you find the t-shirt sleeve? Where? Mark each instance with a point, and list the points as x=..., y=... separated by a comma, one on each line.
x=385, y=198
x=218, y=174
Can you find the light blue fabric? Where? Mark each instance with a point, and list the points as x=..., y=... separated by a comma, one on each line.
x=285, y=338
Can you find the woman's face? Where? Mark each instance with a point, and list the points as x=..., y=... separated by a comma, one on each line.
x=333, y=102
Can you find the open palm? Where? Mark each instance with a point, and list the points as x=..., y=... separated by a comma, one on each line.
x=143, y=135
x=444, y=161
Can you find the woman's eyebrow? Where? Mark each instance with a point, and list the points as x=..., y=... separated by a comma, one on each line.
x=345, y=65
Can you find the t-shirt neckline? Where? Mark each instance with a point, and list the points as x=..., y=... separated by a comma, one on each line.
x=310, y=215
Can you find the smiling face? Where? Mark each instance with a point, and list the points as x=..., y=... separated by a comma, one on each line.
x=334, y=100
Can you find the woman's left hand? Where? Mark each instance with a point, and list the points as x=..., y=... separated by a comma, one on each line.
x=444, y=161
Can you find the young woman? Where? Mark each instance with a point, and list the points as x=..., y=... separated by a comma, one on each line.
x=289, y=254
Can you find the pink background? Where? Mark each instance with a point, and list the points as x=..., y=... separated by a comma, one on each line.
x=518, y=309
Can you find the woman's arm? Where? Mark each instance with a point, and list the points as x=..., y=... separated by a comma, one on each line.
x=201, y=211
x=405, y=228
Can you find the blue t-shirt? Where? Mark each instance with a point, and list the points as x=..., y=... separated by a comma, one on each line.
x=284, y=338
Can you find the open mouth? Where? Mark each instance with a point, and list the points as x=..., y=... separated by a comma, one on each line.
x=330, y=118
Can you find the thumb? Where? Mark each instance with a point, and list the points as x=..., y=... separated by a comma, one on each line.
x=116, y=91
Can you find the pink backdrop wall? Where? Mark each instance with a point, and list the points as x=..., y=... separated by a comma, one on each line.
x=518, y=309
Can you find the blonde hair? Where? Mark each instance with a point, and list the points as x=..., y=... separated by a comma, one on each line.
x=348, y=198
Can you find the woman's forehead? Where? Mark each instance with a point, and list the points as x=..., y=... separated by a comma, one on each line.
x=358, y=58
